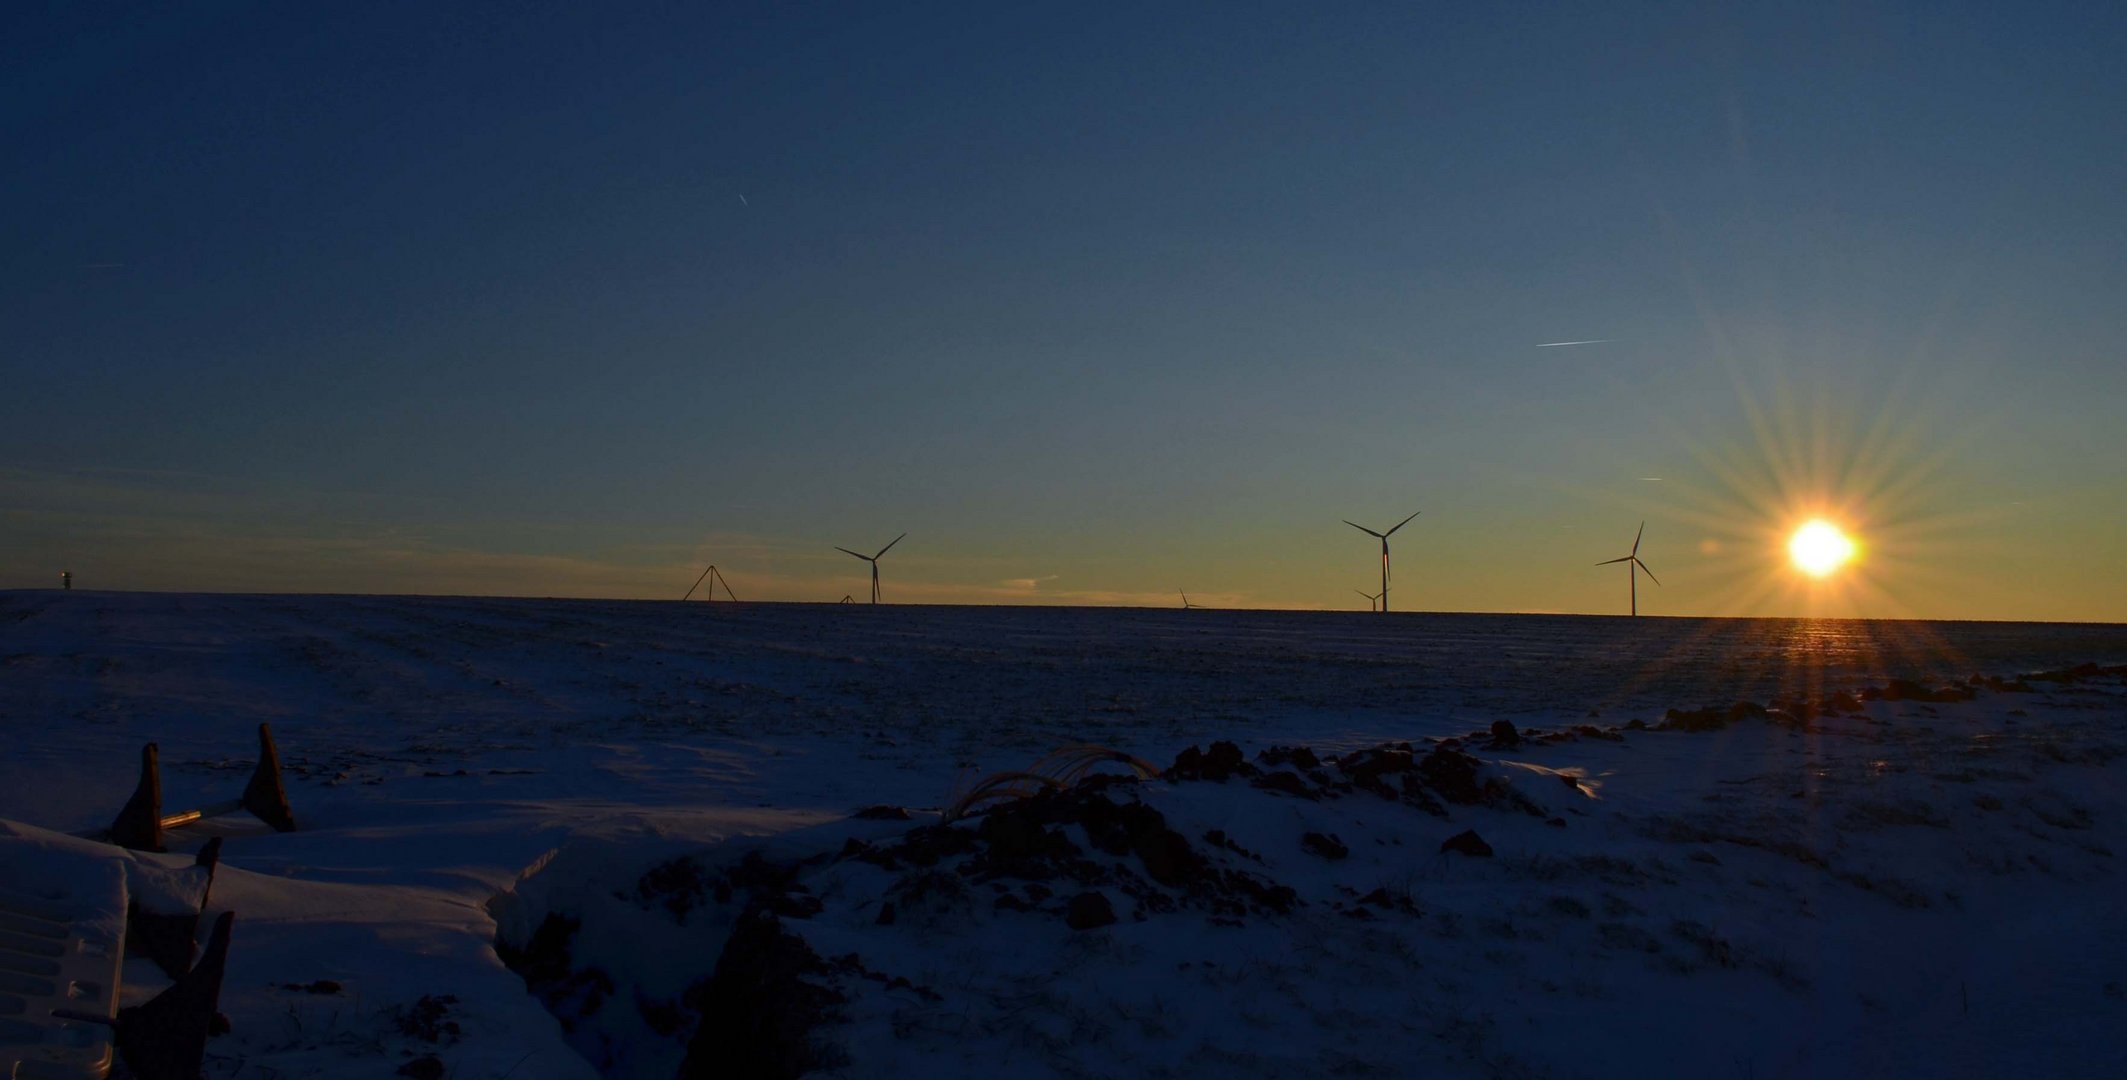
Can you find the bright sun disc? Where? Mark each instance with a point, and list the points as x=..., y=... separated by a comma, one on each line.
x=1818, y=548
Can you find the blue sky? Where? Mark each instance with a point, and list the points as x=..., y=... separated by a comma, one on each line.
x=553, y=299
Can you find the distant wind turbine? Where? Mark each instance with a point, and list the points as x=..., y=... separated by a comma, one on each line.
x=1373, y=599
x=1186, y=605
x=1384, y=551
x=874, y=561
x=1633, y=566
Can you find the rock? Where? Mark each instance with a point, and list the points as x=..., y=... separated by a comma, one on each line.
x=1166, y=856
x=1221, y=761
x=1328, y=847
x=425, y=1067
x=1907, y=690
x=1286, y=783
x=1708, y=719
x=759, y=1007
x=1468, y=843
x=1504, y=737
x=1299, y=757
x=886, y=913
x=1453, y=774
x=1366, y=768
x=1087, y=911
x=882, y=812
x=1415, y=794
x=1013, y=835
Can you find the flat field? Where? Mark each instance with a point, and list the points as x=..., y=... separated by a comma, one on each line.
x=1923, y=886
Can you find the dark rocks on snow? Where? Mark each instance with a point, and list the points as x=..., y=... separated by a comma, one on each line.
x=1504, y=737
x=759, y=1008
x=923, y=846
x=1286, y=783
x=1137, y=829
x=1907, y=690
x=544, y=959
x=882, y=812
x=425, y=1067
x=1713, y=717
x=679, y=886
x=1013, y=836
x=1298, y=757
x=1368, y=768
x=428, y=1019
x=1328, y=847
x=1088, y=910
x=1221, y=761
x=1466, y=842
x=1453, y=774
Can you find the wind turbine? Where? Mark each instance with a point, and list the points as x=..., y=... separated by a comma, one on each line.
x=1373, y=599
x=874, y=561
x=1186, y=605
x=1384, y=552
x=1633, y=566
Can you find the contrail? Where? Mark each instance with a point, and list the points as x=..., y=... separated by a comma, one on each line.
x=743, y=202
x=1556, y=344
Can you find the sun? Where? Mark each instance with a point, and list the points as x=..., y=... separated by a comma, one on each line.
x=1819, y=548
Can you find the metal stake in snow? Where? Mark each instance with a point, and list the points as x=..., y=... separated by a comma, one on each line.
x=141, y=823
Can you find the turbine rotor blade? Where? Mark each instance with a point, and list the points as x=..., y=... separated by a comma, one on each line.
x=1636, y=538
x=1622, y=558
x=1402, y=523
x=846, y=551
x=889, y=547
x=1362, y=528
x=1650, y=573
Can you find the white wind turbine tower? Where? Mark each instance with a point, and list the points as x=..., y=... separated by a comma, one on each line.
x=874, y=561
x=1384, y=551
x=1633, y=566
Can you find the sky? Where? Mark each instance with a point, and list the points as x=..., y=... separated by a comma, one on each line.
x=1096, y=304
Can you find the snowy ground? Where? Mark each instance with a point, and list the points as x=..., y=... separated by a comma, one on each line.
x=1921, y=888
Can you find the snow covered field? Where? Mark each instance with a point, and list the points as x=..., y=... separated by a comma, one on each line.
x=1918, y=887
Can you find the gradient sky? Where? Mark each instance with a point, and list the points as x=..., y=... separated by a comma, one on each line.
x=571, y=299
